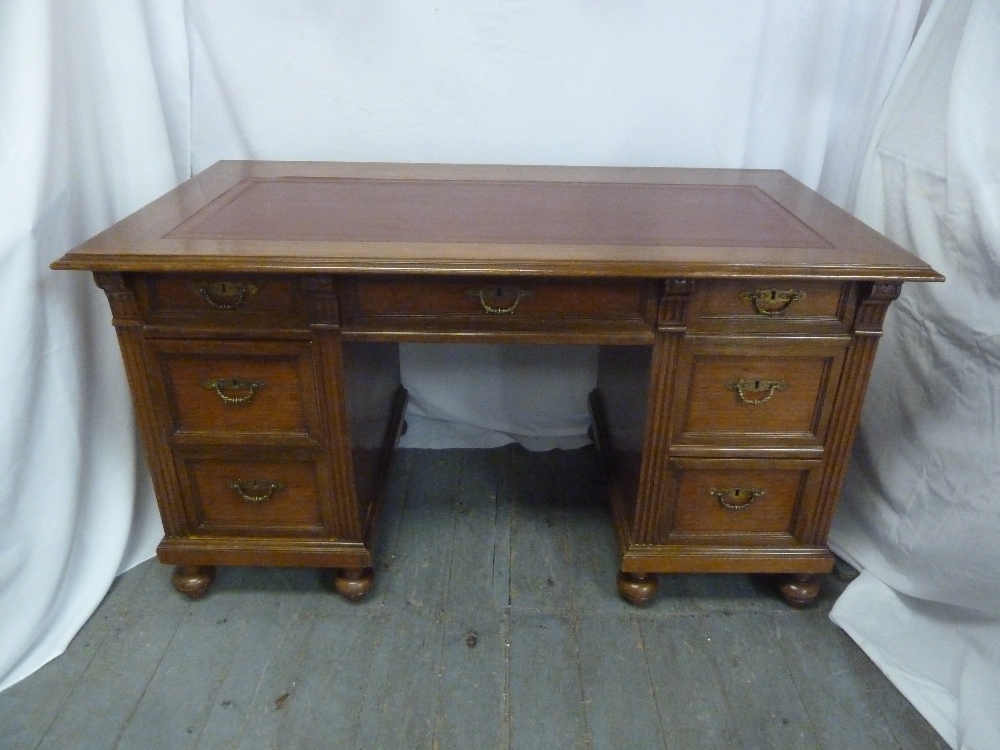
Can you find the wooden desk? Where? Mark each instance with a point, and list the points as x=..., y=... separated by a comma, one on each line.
x=259, y=308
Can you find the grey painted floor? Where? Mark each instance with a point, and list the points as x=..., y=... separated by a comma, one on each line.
x=494, y=623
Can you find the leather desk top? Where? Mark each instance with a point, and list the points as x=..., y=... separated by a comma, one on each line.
x=567, y=221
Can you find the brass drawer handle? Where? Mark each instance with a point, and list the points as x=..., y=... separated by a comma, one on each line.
x=766, y=387
x=500, y=292
x=773, y=301
x=736, y=498
x=255, y=490
x=248, y=388
x=226, y=295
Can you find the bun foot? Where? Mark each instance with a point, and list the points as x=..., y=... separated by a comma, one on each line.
x=354, y=583
x=193, y=580
x=637, y=588
x=800, y=589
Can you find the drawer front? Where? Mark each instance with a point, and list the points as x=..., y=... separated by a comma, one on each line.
x=223, y=390
x=755, y=392
x=498, y=302
x=739, y=502
x=221, y=300
x=766, y=305
x=271, y=495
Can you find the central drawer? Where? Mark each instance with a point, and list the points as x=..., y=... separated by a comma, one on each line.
x=494, y=303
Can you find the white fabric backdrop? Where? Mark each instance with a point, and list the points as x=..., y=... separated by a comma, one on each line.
x=104, y=105
x=85, y=139
x=920, y=510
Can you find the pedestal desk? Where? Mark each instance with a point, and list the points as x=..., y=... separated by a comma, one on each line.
x=259, y=307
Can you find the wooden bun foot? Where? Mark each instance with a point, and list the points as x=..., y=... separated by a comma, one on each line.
x=353, y=583
x=799, y=589
x=637, y=588
x=193, y=580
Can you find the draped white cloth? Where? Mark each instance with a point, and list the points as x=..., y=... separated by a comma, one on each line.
x=105, y=105
x=920, y=512
x=85, y=139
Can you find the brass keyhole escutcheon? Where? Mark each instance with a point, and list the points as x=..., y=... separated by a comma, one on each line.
x=499, y=294
x=234, y=390
x=255, y=490
x=736, y=498
x=746, y=389
x=226, y=295
x=773, y=301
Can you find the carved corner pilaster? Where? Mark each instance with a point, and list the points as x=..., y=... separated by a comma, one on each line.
x=323, y=305
x=674, y=304
x=127, y=318
x=124, y=305
x=873, y=304
x=671, y=328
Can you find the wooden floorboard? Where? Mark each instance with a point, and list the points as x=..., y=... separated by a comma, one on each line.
x=547, y=707
x=830, y=687
x=493, y=623
x=501, y=529
x=691, y=700
x=471, y=705
x=422, y=547
x=400, y=693
x=769, y=711
x=474, y=546
x=621, y=705
x=175, y=704
x=104, y=699
x=592, y=548
x=540, y=563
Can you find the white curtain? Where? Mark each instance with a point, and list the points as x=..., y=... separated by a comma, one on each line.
x=93, y=123
x=920, y=510
x=105, y=105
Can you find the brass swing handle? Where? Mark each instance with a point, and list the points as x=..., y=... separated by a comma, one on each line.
x=766, y=387
x=500, y=292
x=736, y=498
x=226, y=295
x=255, y=490
x=224, y=387
x=773, y=301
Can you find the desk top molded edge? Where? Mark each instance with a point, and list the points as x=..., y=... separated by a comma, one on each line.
x=138, y=244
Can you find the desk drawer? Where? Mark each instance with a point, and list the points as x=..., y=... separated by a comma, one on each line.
x=226, y=389
x=219, y=300
x=771, y=305
x=739, y=502
x=485, y=302
x=746, y=392
x=263, y=494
